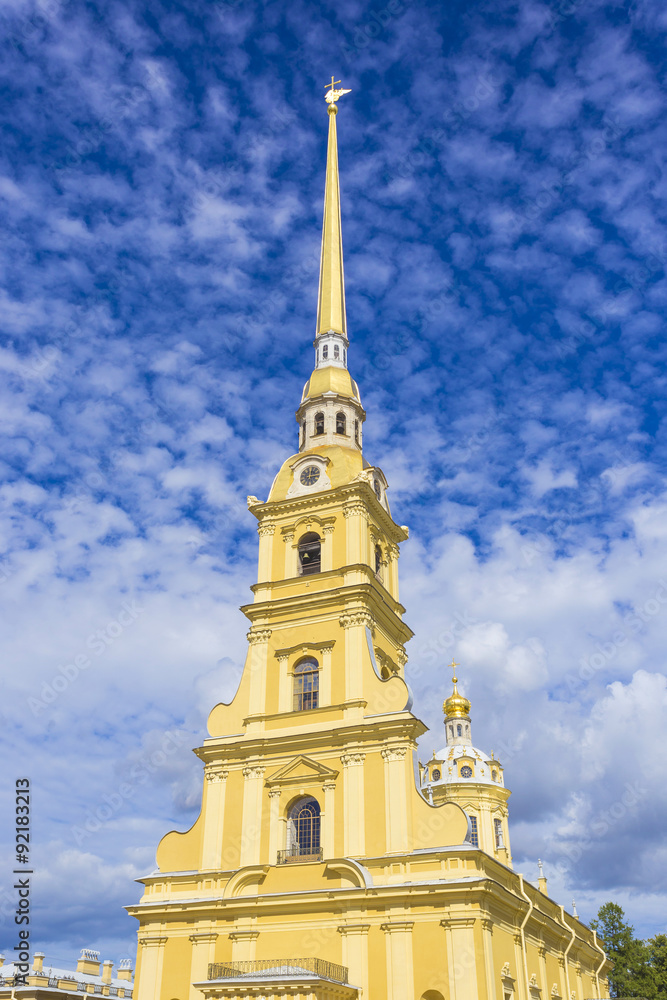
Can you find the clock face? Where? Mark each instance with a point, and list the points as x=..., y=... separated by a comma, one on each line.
x=466, y=772
x=310, y=475
x=436, y=775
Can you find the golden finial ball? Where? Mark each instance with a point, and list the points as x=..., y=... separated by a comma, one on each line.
x=332, y=109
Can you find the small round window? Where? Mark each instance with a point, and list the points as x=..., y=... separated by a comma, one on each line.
x=310, y=475
x=466, y=772
x=436, y=775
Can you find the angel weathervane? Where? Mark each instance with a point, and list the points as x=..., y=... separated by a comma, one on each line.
x=332, y=94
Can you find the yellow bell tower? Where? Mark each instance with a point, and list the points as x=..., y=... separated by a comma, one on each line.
x=319, y=866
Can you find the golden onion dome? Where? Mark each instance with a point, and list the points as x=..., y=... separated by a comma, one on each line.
x=456, y=706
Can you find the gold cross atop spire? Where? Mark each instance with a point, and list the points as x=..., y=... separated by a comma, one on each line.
x=452, y=667
x=332, y=94
x=331, y=297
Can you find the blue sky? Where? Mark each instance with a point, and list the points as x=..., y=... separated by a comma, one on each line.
x=503, y=200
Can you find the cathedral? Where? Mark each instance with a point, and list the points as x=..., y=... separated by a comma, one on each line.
x=326, y=861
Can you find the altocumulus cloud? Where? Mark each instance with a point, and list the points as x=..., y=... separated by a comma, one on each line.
x=160, y=190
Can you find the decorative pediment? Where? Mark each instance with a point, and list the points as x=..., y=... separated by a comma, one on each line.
x=301, y=770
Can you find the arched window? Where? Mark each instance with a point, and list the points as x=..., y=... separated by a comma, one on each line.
x=356, y=431
x=451, y=730
x=459, y=730
x=310, y=553
x=306, y=685
x=303, y=829
x=474, y=833
x=319, y=423
x=378, y=560
x=336, y=351
x=498, y=830
x=341, y=423
x=303, y=432
x=325, y=351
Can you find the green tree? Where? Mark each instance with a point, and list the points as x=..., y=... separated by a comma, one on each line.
x=631, y=975
x=657, y=963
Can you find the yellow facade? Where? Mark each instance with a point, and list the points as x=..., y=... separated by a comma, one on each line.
x=325, y=862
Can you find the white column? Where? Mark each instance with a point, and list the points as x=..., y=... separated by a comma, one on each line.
x=203, y=953
x=353, y=799
x=328, y=827
x=252, y=815
x=396, y=798
x=265, y=532
x=400, y=973
x=355, y=955
x=274, y=825
x=259, y=650
x=150, y=973
x=214, y=816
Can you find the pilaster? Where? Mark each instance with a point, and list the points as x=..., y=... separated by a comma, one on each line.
x=396, y=798
x=274, y=825
x=264, y=561
x=353, y=803
x=354, y=623
x=461, y=958
x=214, y=815
x=252, y=814
x=203, y=952
x=152, y=958
x=257, y=663
x=329, y=825
x=400, y=971
x=355, y=954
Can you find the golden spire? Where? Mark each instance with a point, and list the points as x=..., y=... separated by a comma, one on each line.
x=456, y=706
x=331, y=297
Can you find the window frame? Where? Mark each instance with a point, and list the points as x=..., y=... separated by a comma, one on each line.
x=306, y=684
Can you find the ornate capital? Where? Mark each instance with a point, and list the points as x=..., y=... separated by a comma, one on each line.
x=401, y=656
x=253, y=771
x=328, y=529
x=394, y=753
x=352, y=759
x=355, y=510
x=288, y=536
x=329, y=786
x=325, y=650
x=258, y=635
x=487, y=924
x=355, y=618
x=216, y=774
x=394, y=550
x=274, y=793
x=266, y=529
